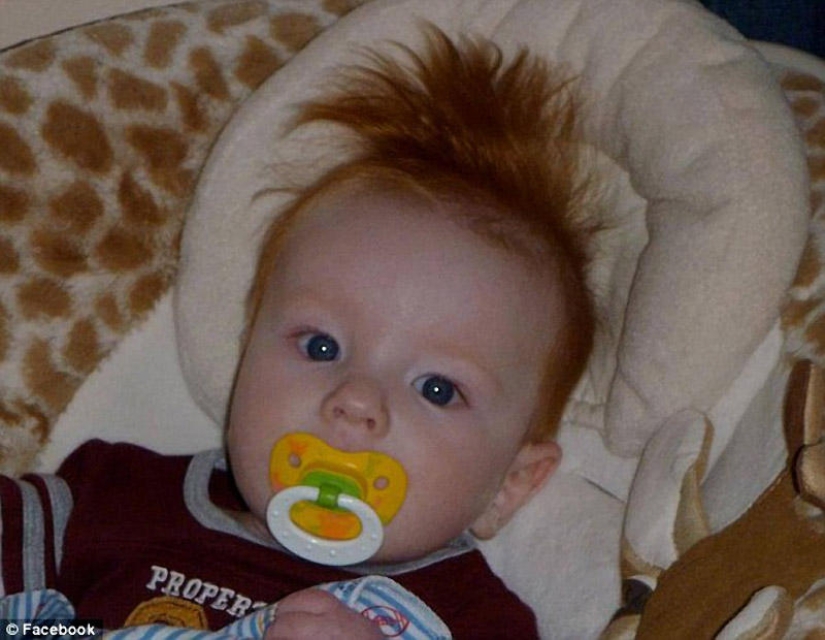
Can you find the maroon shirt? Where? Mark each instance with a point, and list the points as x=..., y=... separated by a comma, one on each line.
x=147, y=540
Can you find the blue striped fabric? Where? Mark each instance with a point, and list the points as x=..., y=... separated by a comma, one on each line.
x=49, y=605
x=398, y=613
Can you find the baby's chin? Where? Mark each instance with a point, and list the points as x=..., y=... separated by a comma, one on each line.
x=403, y=546
x=253, y=523
x=391, y=556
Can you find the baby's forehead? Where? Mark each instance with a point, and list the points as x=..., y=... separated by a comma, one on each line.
x=467, y=209
x=411, y=248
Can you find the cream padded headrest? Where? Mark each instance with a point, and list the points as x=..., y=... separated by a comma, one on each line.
x=705, y=149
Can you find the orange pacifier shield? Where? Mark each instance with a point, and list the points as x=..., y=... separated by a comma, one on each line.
x=330, y=505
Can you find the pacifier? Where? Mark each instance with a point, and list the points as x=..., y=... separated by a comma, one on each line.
x=331, y=506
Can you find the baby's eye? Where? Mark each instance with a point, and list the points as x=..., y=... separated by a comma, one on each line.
x=437, y=389
x=320, y=347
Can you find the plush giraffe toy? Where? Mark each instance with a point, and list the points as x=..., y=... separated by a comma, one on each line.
x=763, y=576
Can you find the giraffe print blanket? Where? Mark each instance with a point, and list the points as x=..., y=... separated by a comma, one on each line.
x=103, y=130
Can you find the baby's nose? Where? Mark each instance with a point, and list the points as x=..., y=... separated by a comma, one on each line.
x=357, y=403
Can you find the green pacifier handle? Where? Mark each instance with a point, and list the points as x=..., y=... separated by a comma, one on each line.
x=330, y=486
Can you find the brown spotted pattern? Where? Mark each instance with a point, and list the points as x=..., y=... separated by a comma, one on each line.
x=103, y=130
x=804, y=315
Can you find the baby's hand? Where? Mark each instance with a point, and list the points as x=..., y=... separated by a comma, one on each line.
x=313, y=613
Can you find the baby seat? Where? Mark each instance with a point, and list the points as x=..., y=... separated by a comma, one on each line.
x=116, y=135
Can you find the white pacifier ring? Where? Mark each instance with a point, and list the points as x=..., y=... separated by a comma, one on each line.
x=322, y=550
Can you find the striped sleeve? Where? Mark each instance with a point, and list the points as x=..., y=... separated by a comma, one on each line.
x=34, y=511
x=398, y=612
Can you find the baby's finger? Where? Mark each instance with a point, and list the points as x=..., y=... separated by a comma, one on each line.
x=307, y=601
x=297, y=625
x=293, y=625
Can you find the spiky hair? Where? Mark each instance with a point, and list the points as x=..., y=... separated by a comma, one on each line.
x=458, y=123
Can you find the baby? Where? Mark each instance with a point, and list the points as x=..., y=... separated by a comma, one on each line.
x=421, y=308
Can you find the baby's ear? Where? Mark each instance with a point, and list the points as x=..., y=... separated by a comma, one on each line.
x=532, y=466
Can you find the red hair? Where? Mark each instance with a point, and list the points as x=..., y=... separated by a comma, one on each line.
x=459, y=125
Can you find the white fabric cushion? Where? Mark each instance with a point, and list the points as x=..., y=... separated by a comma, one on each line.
x=674, y=97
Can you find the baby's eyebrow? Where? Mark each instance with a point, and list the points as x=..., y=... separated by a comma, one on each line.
x=303, y=299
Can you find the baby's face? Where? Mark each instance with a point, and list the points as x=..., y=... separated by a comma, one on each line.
x=388, y=327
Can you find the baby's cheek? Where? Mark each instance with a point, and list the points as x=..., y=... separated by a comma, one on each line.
x=443, y=509
x=254, y=486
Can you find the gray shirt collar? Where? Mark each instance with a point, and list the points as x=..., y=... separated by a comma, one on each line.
x=209, y=515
